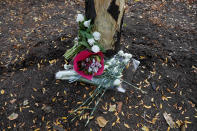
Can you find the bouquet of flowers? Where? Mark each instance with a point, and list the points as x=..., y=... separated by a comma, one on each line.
x=86, y=39
x=90, y=67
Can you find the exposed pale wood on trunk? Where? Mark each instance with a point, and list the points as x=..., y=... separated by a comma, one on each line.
x=107, y=16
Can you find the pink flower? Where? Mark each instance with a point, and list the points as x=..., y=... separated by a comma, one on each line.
x=81, y=58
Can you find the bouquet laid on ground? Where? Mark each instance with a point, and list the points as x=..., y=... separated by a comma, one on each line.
x=89, y=66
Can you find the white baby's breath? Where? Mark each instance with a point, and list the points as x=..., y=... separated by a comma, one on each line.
x=87, y=23
x=91, y=41
x=96, y=35
x=106, y=66
x=95, y=49
x=126, y=61
x=117, y=82
x=121, y=53
x=80, y=18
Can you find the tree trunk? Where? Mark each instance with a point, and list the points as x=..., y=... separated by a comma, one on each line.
x=107, y=16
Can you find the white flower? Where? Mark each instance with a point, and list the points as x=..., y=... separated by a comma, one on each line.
x=95, y=49
x=80, y=18
x=128, y=56
x=120, y=89
x=87, y=23
x=91, y=41
x=126, y=60
x=96, y=35
x=117, y=82
x=121, y=53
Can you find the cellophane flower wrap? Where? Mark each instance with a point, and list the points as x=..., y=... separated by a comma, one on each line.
x=88, y=64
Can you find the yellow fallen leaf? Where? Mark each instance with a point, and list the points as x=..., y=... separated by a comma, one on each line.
x=187, y=122
x=154, y=120
x=168, y=128
x=126, y=125
x=164, y=98
x=53, y=100
x=52, y=61
x=118, y=120
x=179, y=123
x=160, y=106
x=142, y=57
x=38, y=129
x=2, y=92
x=148, y=107
x=144, y=128
x=101, y=121
x=42, y=118
x=91, y=117
x=175, y=85
x=113, y=124
x=64, y=118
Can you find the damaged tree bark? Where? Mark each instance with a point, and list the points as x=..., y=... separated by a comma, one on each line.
x=107, y=16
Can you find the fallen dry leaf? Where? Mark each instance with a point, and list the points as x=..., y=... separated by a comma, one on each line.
x=112, y=108
x=101, y=121
x=13, y=116
x=2, y=92
x=179, y=123
x=148, y=107
x=126, y=125
x=25, y=102
x=144, y=128
x=12, y=101
x=164, y=98
x=169, y=120
x=119, y=107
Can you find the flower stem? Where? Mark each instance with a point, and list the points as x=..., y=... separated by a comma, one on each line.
x=73, y=51
x=99, y=99
x=143, y=92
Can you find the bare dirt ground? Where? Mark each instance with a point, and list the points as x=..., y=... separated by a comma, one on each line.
x=35, y=34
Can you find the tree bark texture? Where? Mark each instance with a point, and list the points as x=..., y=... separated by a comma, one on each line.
x=107, y=16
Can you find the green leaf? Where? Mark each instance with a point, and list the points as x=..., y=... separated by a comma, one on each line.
x=88, y=36
x=84, y=43
x=89, y=29
x=82, y=33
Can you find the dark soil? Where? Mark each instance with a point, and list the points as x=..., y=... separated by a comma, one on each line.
x=35, y=34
